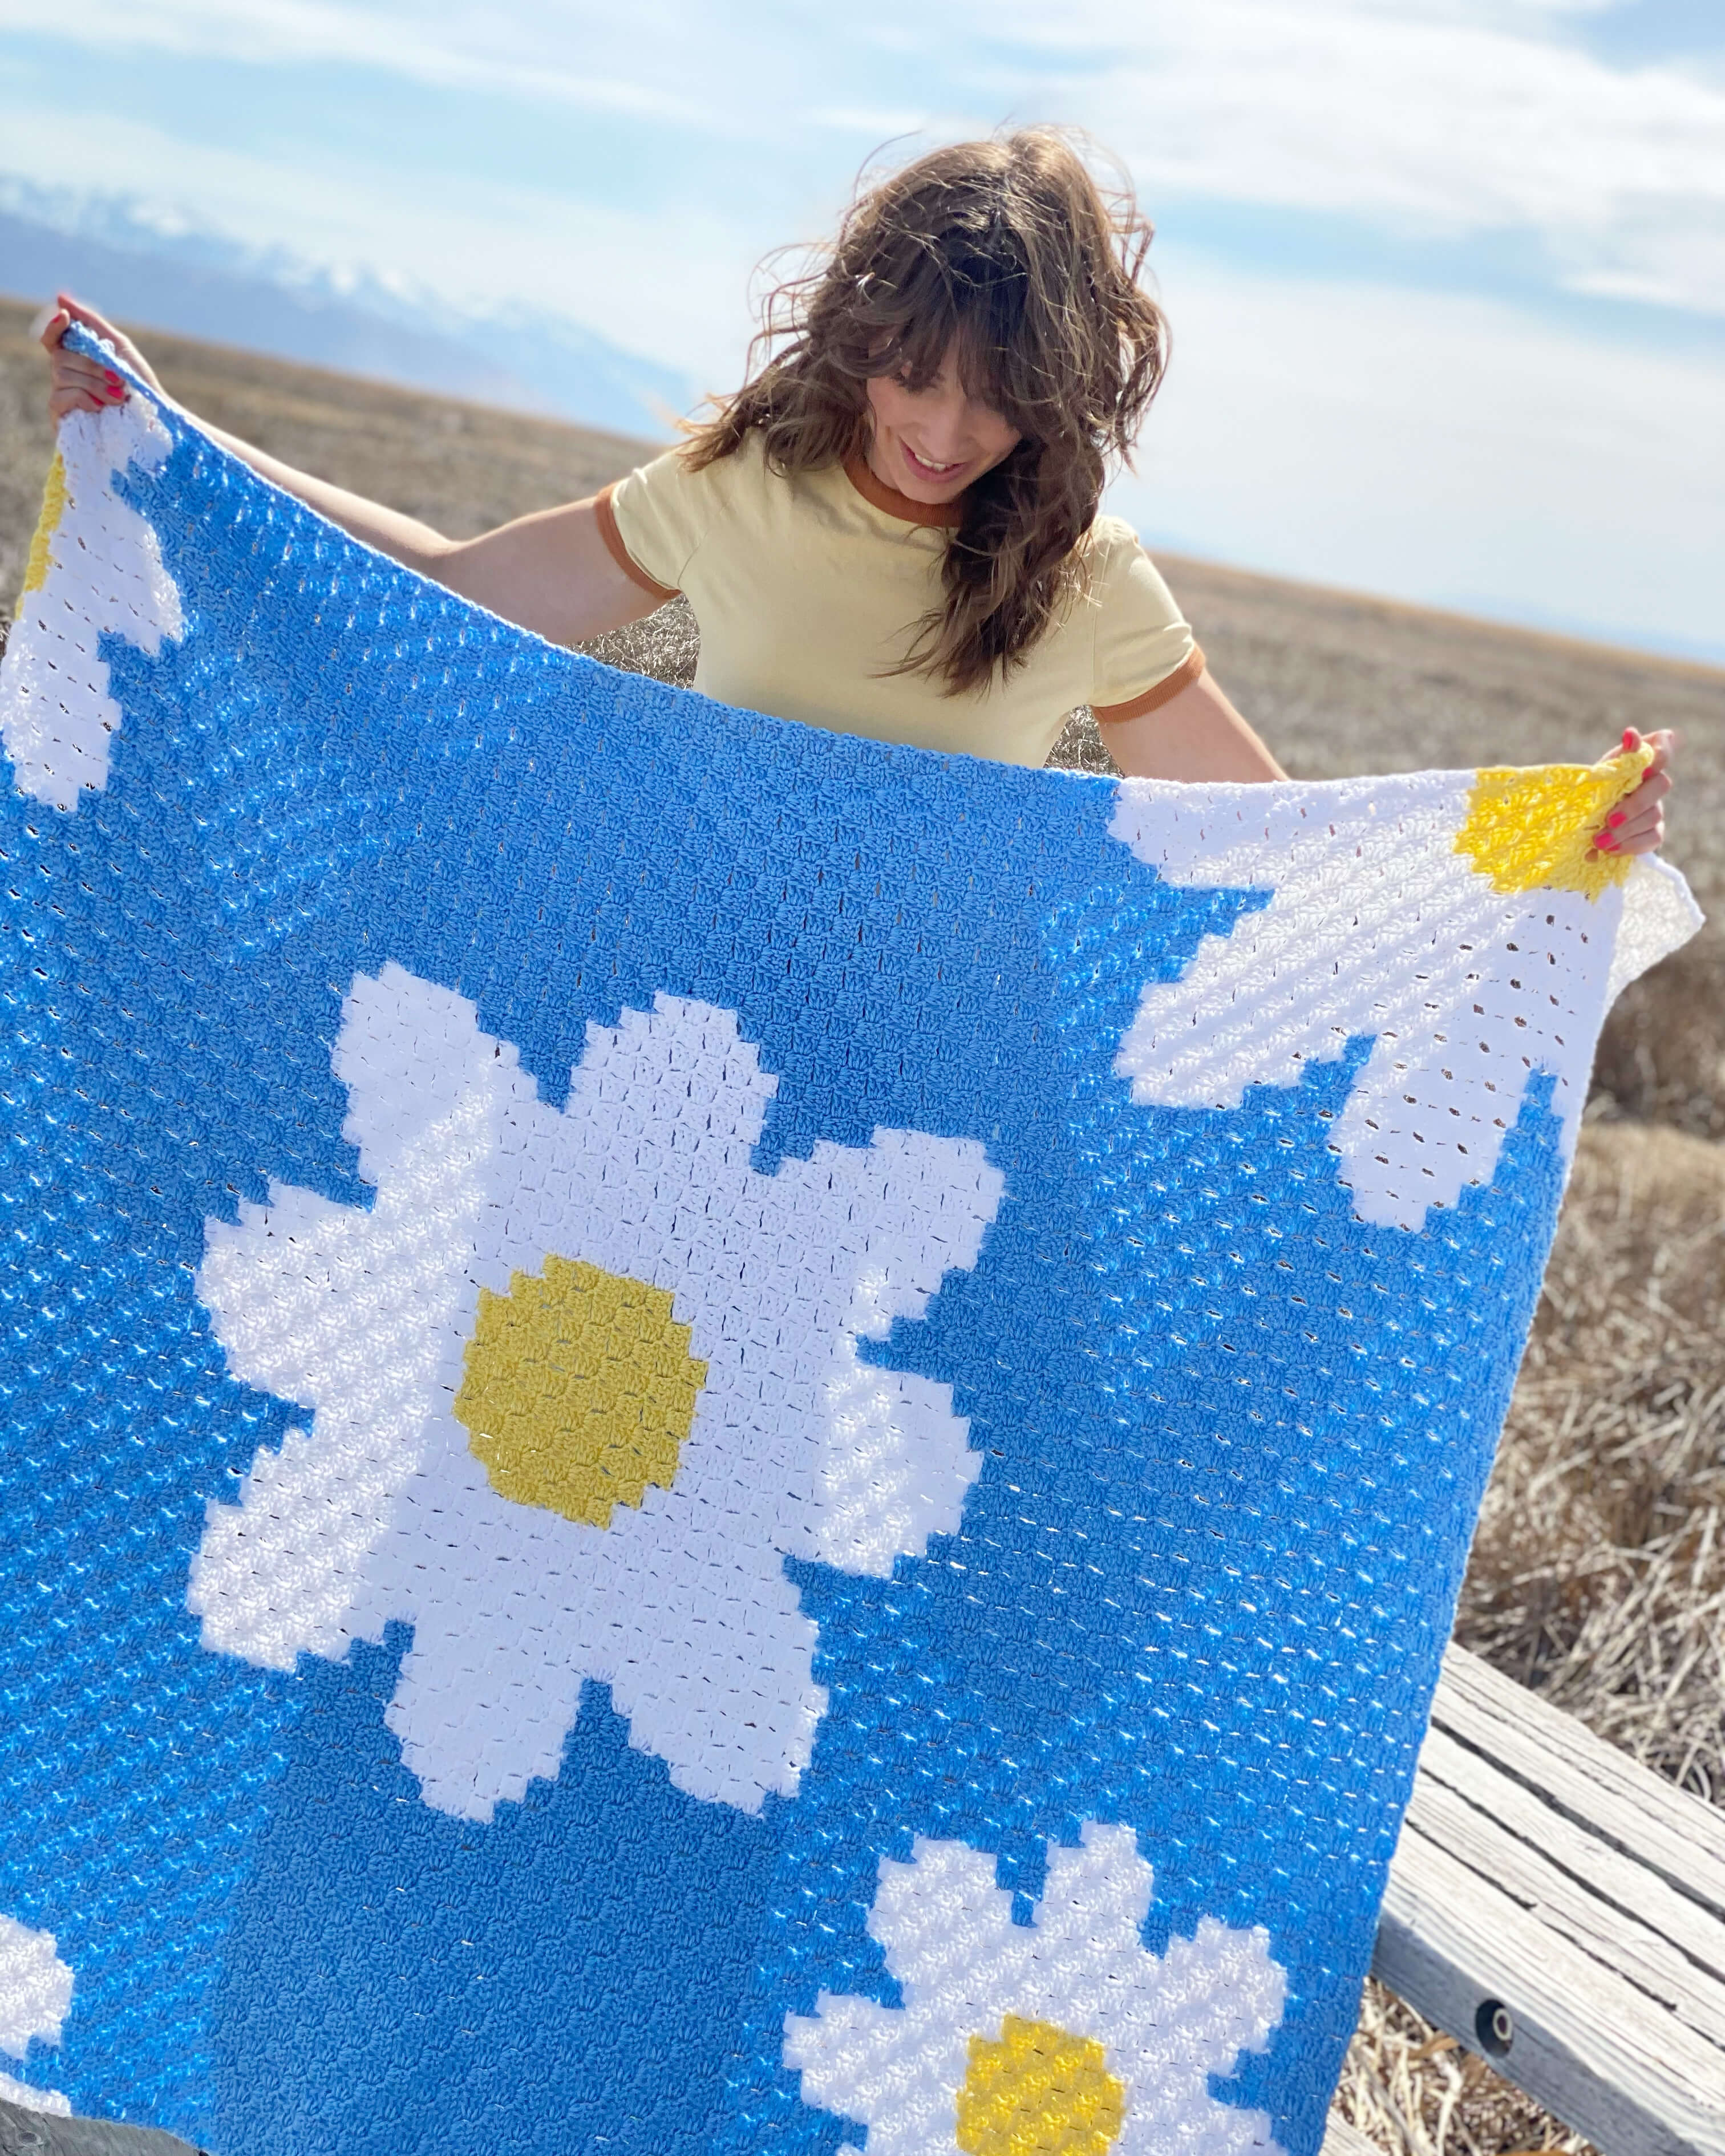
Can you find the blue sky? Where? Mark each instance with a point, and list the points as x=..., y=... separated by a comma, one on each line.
x=1447, y=277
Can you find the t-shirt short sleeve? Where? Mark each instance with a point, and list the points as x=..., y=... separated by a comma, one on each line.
x=654, y=521
x=1145, y=652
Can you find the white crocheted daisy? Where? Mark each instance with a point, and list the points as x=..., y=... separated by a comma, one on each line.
x=1061, y=2038
x=94, y=568
x=35, y=1991
x=1463, y=919
x=581, y=1381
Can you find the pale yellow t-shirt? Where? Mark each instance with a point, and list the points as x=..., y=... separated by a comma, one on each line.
x=807, y=588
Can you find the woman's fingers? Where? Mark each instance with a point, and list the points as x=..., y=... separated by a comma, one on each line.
x=110, y=388
x=63, y=401
x=78, y=367
x=1636, y=838
x=78, y=312
x=75, y=310
x=1662, y=741
x=1636, y=826
x=79, y=381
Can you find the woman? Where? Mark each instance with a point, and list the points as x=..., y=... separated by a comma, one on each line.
x=893, y=528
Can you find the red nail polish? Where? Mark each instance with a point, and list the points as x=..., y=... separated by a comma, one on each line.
x=1605, y=844
x=1616, y=817
x=1629, y=737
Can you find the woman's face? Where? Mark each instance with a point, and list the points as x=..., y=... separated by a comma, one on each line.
x=931, y=444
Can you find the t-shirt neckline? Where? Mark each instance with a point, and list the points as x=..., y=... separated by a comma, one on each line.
x=878, y=495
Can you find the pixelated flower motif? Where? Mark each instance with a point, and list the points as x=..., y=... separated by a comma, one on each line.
x=1064, y=2037
x=35, y=1991
x=94, y=568
x=1469, y=925
x=581, y=1380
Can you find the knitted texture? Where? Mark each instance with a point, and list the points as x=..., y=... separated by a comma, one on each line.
x=717, y=1437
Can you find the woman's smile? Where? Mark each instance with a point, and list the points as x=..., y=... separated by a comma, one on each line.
x=931, y=443
x=928, y=466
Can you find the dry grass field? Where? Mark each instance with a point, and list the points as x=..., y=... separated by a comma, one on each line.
x=1599, y=1573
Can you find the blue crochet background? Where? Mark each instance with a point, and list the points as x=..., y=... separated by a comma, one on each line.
x=1205, y=1577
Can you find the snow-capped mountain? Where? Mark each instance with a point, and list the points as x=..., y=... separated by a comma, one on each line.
x=150, y=265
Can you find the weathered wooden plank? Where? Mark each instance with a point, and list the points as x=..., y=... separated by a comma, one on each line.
x=40, y=2133
x=1342, y=2139
x=1586, y=2041
x=1621, y=1913
x=1665, y=1829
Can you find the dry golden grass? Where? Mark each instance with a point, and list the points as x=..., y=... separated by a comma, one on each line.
x=1599, y=1574
x=1598, y=1571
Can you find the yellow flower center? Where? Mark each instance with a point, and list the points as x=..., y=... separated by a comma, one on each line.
x=53, y=507
x=1039, y=2091
x=1533, y=831
x=579, y=1390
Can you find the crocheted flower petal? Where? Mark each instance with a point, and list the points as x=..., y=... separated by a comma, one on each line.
x=894, y=1468
x=415, y=1060
x=945, y=1926
x=713, y=1657
x=361, y=1316
x=880, y=2068
x=1336, y=951
x=1097, y=1895
x=1214, y=1997
x=95, y=570
x=35, y=1988
x=1429, y=1113
x=678, y=1097
x=491, y=1686
x=879, y=1229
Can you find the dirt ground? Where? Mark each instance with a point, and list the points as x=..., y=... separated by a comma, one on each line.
x=1599, y=1572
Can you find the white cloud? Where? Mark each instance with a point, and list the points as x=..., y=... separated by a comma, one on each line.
x=1436, y=449
x=450, y=49
x=1420, y=118
x=1446, y=117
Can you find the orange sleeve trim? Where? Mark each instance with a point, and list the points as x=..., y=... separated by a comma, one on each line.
x=1170, y=686
x=606, y=517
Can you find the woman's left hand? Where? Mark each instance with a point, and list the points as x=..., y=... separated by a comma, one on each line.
x=1636, y=826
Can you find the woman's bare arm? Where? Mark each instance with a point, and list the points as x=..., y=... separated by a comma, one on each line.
x=551, y=573
x=1196, y=735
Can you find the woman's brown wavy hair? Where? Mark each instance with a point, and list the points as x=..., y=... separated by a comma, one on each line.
x=1009, y=254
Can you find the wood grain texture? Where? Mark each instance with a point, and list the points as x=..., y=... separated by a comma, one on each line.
x=1541, y=1869
x=1667, y=1830
x=1342, y=2139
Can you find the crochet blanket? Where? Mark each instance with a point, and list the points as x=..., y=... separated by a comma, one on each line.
x=717, y=1438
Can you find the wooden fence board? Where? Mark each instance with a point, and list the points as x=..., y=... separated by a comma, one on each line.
x=1541, y=1870
x=1665, y=1829
x=1600, y=1900
x=1342, y=2139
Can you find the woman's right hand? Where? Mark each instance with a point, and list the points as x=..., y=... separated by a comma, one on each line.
x=76, y=383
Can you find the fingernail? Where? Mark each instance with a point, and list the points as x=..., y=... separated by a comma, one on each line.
x=1605, y=844
x=1616, y=817
x=1628, y=737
